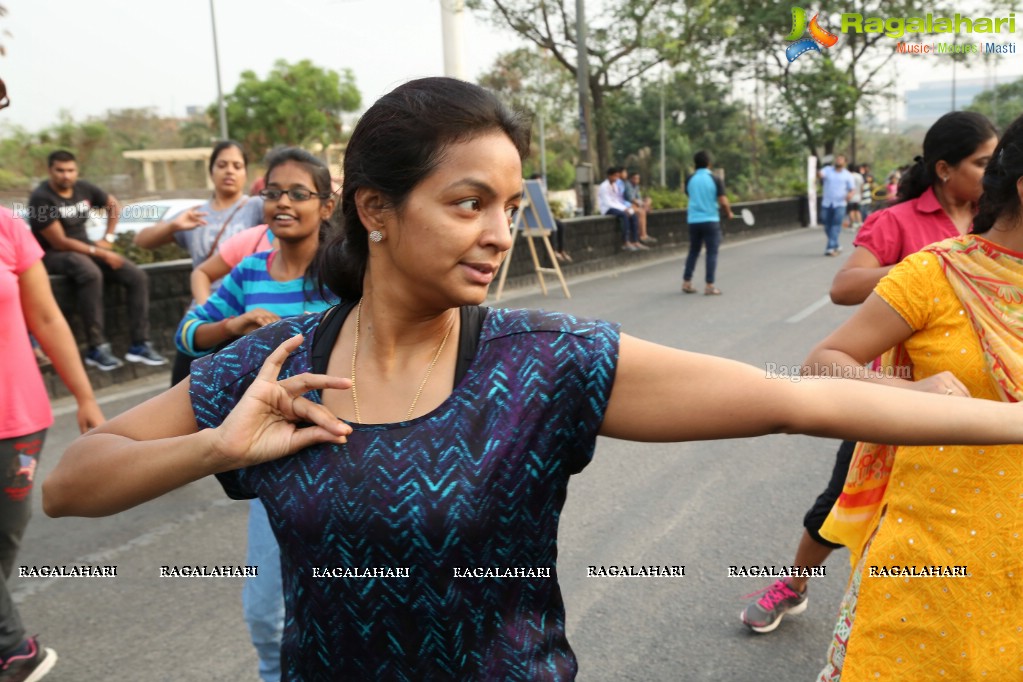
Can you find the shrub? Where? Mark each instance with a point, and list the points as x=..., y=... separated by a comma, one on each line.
x=124, y=244
x=661, y=198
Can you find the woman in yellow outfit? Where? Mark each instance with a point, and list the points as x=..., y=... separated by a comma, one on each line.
x=951, y=516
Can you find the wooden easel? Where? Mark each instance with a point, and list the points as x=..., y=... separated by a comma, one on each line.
x=534, y=220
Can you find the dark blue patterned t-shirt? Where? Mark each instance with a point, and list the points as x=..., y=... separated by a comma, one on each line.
x=426, y=549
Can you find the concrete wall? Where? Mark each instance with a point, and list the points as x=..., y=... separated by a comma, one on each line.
x=593, y=242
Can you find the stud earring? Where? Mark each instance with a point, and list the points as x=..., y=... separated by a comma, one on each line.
x=376, y=236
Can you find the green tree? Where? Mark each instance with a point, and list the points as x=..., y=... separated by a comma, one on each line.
x=534, y=83
x=759, y=160
x=1002, y=104
x=819, y=96
x=625, y=39
x=296, y=104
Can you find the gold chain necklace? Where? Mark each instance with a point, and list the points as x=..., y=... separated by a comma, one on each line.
x=355, y=352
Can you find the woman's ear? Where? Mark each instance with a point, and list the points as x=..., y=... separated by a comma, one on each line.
x=371, y=207
x=327, y=208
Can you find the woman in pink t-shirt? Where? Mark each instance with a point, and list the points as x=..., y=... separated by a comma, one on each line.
x=27, y=305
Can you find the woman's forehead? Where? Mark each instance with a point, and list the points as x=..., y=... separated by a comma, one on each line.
x=492, y=155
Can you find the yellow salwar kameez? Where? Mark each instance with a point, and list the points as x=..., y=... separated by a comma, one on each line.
x=950, y=510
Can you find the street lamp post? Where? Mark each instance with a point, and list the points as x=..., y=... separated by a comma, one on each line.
x=664, y=181
x=220, y=90
x=585, y=171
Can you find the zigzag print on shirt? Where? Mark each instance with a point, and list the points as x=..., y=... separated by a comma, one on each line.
x=477, y=484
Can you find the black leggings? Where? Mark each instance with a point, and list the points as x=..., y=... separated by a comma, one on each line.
x=814, y=518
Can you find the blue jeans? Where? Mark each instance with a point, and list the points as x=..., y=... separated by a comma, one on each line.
x=262, y=595
x=831, y=217
x=629, y=223
x=700, y=234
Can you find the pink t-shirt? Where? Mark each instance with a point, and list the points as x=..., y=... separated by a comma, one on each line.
x=894, y=233
x=245, y=243
x=25, y=405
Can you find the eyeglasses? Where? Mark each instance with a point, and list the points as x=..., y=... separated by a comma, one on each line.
x=296, y=194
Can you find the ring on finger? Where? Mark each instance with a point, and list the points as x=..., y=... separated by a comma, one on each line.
x=948, y=391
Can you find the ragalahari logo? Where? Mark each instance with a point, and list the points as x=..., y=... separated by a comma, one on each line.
x=818, y=36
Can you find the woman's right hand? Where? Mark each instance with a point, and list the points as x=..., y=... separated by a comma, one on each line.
x=250, y=321
x=264, y=424
x=188, y=220
x=942, y=383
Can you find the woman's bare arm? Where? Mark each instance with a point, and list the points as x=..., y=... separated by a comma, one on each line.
x=662, y=394
x=158, y=446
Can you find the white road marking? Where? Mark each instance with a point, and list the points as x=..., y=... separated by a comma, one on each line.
x=809, y=310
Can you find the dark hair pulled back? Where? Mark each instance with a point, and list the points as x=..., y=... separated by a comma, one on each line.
x=952, y=138
x=227, y=144
x=396, y=144
x=1001, y=196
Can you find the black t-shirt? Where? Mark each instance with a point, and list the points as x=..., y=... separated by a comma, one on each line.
x=45, y=206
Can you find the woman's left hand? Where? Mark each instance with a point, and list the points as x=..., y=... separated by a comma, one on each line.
x=942, y=383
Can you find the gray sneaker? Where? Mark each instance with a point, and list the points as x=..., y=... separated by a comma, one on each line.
x=778, y=599
x=102, y=359
x=144, y=353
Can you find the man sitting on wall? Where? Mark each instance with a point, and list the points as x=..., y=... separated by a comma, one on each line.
x=58, y=211
x=609, y=202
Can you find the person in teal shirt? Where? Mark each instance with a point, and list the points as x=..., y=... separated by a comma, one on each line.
x=706, y=201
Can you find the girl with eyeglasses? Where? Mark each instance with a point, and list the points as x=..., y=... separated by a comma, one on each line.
x=264, y=288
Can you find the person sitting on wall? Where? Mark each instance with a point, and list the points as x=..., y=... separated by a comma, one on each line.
x=58, y=211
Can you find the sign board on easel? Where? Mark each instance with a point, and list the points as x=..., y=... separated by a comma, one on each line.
x=534, y=220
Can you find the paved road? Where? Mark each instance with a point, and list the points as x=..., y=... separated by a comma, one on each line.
x=702, y=505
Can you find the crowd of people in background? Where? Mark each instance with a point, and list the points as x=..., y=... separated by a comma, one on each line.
x=297, y=297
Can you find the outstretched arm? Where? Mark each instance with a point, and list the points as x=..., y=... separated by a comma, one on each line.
x=47, y=324
x=155, y=236
x=157, y=446
x=662, y=394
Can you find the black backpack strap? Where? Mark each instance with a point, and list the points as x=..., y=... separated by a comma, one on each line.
x=469, y=337
x=330, y=327
x=326, y=335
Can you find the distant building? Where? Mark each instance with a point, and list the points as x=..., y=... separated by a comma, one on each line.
x=195, y=111
x=931, y=99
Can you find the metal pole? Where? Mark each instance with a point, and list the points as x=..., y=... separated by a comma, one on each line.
x=540, y=102
x=543, y=150
x=451, y=15
x=953, y=83
x=583, y=78
x=664, y=181
x=220, y=90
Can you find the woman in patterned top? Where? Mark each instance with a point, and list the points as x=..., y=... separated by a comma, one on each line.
x=386, y=454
